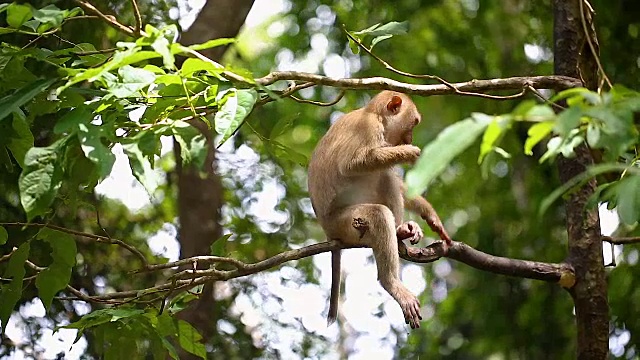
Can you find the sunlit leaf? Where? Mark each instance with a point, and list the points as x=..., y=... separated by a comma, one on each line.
x=90, y=137
x=17, y=15
x=492, y=135
x=439, y=153
x=236, y=108
x=536, y=133
x=212, y=43
x=141, y=167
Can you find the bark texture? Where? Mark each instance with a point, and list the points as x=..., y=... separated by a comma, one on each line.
x=200, y=190
x=573, y=57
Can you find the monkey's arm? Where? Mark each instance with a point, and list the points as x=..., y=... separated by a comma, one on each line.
x=422, y=207
x=380, y=158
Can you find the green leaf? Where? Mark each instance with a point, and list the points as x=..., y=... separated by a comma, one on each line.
x=12, y=292
x=282, y=151
x=162, y=46
x=236, y=108
x=100, y=317
x=50, y=14
x=390, y=28
x=212, y=43
x=12, y=102
x=193, y=145
x=90, y=137
x=629, y=199
x=4, y=236
x=581, y=179
x=193, y=65
x=282, y=126
x=57, y=275
x=189, y=339
x=540, y=113
x=577, y=93
x=17, y=15
x=70, y=122
x=440, y=152
x=141, y=167
x=492, y=135
x=218, y=246
x=131, y=81
x=40, y=179
x=568, y=120
x=22, y=140
x=536, y=133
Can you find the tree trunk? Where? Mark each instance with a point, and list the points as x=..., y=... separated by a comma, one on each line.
x=200, y=190
x=573, y=57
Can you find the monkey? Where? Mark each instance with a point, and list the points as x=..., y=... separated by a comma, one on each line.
x=358, y=197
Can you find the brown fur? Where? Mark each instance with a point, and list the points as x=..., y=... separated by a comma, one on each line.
x=352, y=181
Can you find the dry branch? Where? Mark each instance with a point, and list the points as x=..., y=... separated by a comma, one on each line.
x=381, y=83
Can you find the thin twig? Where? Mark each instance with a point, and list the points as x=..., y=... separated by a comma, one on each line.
x=318, y=103
x=622, y=240
x=136, y=15
x=110, y=19
x=587, y=34
x=98, y=238
x=427, y=76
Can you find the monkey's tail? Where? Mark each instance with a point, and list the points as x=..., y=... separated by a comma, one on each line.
x=335, y=286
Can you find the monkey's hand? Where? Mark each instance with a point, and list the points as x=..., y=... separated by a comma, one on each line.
x=412, y=153
x=409, y=230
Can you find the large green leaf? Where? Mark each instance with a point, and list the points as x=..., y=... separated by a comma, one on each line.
x=40, y=179
x=91, y=143
x=57, y=275
x=440, y=152
x=628, y=191
x=18, y=14
x=193, y=146
x=189, y=339
x=131, y=81
x=12, y=291
x=12, y=102
x=235, y=109
x=141, y=167
x=22, y=139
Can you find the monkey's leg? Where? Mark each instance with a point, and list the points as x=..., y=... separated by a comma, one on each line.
x=379, y=232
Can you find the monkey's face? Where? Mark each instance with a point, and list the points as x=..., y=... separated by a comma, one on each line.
x=400, y=116
x=399, y=129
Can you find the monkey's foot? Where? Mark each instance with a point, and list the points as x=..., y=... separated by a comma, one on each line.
x=411, y=309
x=409, y=230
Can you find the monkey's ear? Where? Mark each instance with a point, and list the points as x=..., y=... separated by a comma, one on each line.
x=394, y=104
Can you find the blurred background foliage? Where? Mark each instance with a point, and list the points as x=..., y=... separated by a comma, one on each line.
x=469, y=314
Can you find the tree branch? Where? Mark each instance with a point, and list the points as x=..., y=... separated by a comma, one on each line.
x=381, y=83
x=622, y=240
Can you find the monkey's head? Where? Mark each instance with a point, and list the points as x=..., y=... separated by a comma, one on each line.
x=399, y=116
